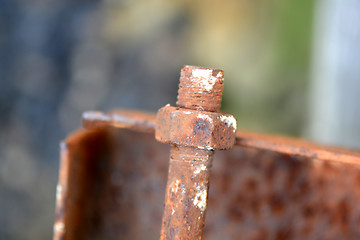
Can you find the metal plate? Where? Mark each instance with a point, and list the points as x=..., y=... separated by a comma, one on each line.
x=112, y=184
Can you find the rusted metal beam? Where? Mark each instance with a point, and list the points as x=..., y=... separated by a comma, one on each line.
x=280, y=144
x=113, y=174
x=108, y=188
x=113, y=186
x=128, y=119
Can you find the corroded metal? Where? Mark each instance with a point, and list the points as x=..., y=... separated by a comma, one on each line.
x=200, y=88
x=195, y=129
x=280, y=144
x=109, y=187
x=113, y=176
x=198, y=129
x=186, y=194
x=134, y=120
x=114, y=179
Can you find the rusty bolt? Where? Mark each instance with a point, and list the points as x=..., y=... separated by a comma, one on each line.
x=198, y=129
x=195, y=128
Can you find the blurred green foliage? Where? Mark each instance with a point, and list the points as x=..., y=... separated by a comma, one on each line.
x=274, y=88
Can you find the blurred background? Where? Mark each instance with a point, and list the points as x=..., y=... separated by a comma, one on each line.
x=291, y=67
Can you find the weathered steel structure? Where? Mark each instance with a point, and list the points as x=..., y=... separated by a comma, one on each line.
x=114, y=176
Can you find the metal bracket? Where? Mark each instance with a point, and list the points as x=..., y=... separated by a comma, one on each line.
x=113, y=176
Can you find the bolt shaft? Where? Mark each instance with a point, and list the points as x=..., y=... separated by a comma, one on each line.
x=189, y=168
x=186, y=193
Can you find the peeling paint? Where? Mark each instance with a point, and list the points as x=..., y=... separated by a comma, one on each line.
x=206, y=148
x=175, y=186
x=202, y=167
x=205, y=117
x=204, y=79
x=200, y=200
x=229, y=121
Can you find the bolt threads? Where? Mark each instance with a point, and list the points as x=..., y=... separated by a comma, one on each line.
x=189, y=169
x=188, y=155
x=200, y=88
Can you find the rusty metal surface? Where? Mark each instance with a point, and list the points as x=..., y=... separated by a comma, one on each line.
x=199, y=129
x=186, y=193
x=134, y=120
x=264, y=195
x=194, y=128
x=280, y=144
x=200, y=88
x=113, y=183
x=305, y=191
x=111, y=188
x=293, y=146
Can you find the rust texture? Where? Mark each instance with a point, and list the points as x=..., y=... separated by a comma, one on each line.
x=113, y=176
x=192, y=128
x=280, y=144
x=195, y=128
x=200, y=88
x=186, y=193
x=134, y=120
x=113, y=188
x=116, y=183
x=293, y=146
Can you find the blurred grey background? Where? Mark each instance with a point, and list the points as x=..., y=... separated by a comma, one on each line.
x=291, y=67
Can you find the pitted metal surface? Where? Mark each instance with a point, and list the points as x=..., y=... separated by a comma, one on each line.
x=145, y=122
x=198, y=129
x=115, y=182
x=195, y=128
x=112, y=180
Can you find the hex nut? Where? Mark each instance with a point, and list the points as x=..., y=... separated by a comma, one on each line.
x=200, y=129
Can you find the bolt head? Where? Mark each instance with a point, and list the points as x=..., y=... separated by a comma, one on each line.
x=199, y=129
